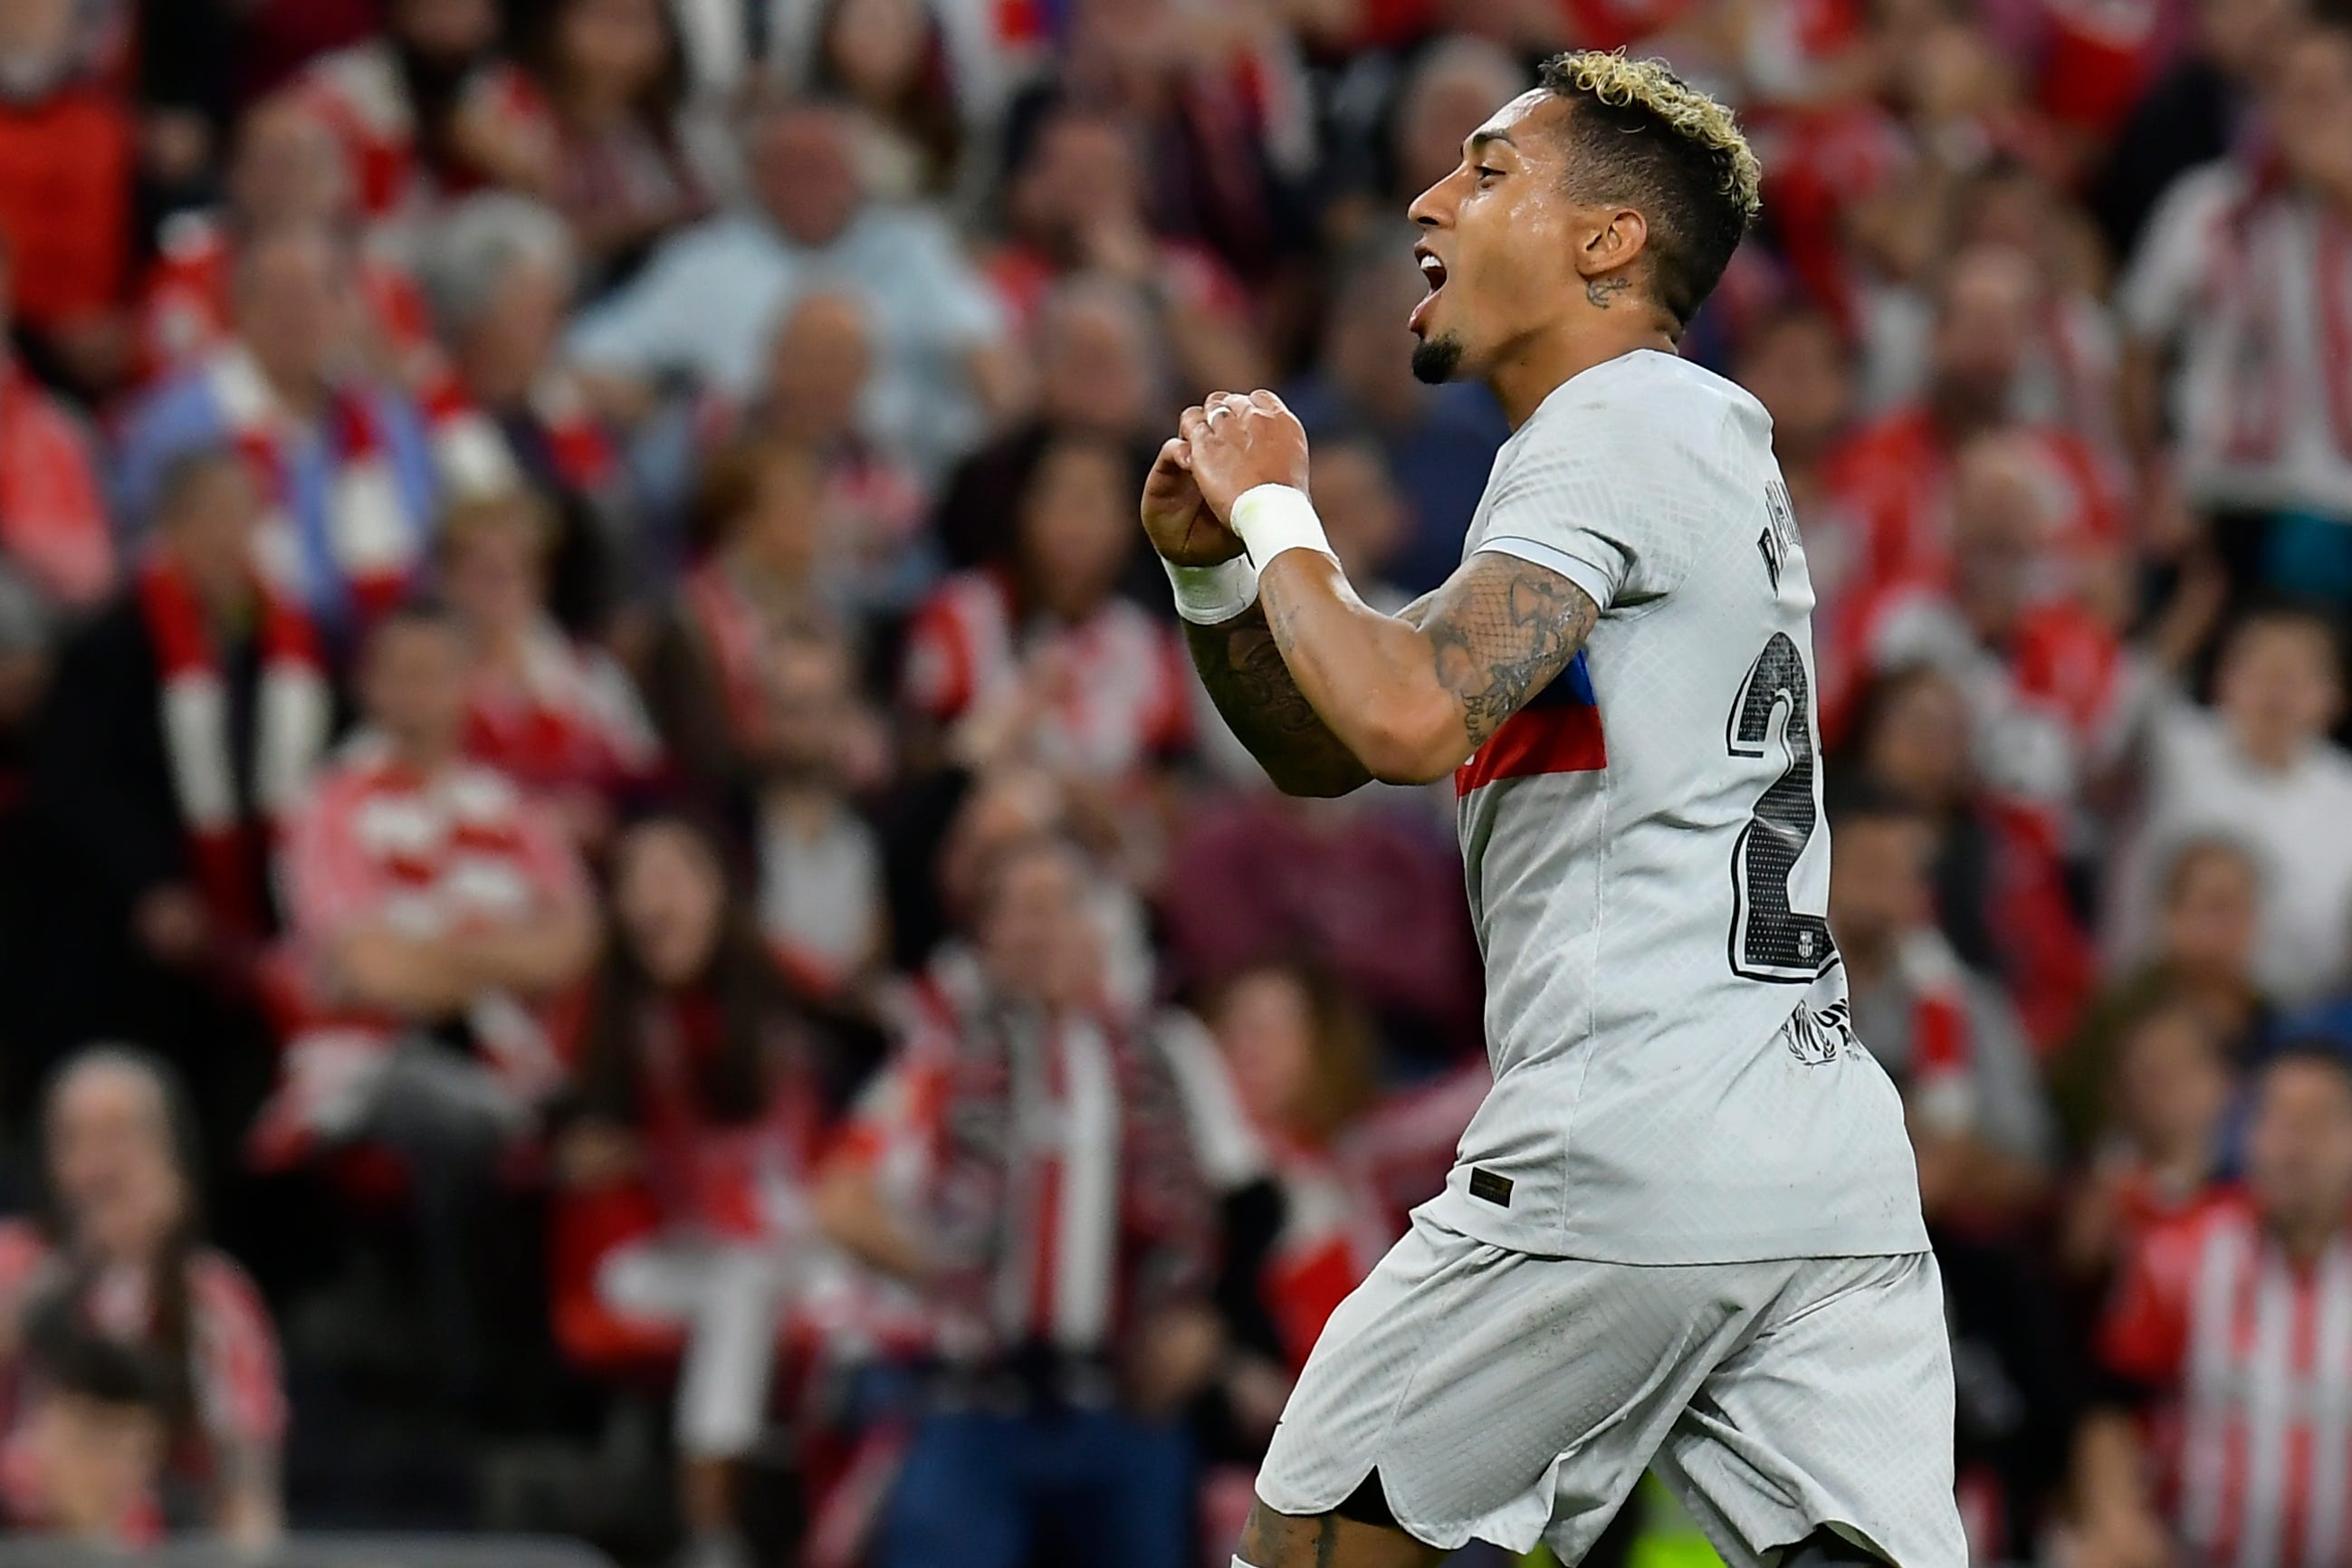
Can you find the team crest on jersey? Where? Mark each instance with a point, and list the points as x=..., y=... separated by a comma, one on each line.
x=1819, y=1038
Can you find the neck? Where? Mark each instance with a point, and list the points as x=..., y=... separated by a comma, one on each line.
x=298, y=392
x=2304, y=1236
x=426, y=755
x=1523, y=379
x=1866, y=961
x=2271, y=749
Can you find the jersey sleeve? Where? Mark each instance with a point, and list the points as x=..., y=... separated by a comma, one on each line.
x=2159, y=290
x=1593, y=496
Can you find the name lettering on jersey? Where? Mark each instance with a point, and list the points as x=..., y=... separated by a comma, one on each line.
x=1779, y=540
x=1559, y=731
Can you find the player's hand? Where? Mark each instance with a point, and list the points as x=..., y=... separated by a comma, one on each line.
x=1240, y=443
x=1179, y=523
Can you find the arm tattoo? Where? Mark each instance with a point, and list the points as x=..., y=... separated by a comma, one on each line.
x=1243, y=667
x=1502, y=628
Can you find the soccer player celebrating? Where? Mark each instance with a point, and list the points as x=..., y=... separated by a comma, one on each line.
x=1684, y=1230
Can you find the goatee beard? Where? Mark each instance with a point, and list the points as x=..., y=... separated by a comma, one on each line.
x=1435, y=360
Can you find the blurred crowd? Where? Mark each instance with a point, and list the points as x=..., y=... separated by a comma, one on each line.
x=620, y=913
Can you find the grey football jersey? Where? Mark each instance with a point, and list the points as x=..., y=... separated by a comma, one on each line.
x=1676, y=1080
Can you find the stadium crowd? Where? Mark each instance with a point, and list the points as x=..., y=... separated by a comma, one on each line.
x=620, y=913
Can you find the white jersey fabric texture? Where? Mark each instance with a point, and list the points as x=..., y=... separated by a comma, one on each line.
x=1676, y=1080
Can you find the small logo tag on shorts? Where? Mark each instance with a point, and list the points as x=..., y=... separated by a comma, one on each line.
x=1494, y=1189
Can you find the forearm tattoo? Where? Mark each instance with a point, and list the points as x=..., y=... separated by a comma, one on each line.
x=1501, y=629
x=1243, y=667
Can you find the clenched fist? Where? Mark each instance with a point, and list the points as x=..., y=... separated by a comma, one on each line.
x=1178, y=522
x=1239, y=442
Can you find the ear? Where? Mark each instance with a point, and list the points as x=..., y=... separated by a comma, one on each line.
x=1618, y=236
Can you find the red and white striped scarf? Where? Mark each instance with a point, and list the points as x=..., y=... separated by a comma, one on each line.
x=1941, y=1072
x=368, y=532
x=291, y=733
x=472, y=453
x=735, y=630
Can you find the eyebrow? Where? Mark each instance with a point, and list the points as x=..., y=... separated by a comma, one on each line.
x=1482, y=140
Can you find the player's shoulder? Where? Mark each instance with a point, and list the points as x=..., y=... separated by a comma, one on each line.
x=1639, y=407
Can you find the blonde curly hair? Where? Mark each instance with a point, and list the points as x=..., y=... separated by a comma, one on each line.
x=1672, y=150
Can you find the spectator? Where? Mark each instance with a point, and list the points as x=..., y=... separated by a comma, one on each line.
x=1051, y=1411
x=91, y=1453
x=2158, y=1144
x=2211, y=1391
x=878, y=558
x=427, y=111
x=2264, y=418
x=186, y=720
x=822, y=901
x=431, y=913
x=117, y=1255
x=1098, y=375
x=66, y=152
x=2257, y=767
x=2003, y=896
x=758, y=509
x=1075, y=202
x=615, y=75
x=705, y=1095
x=556, y=717
x=942, y=372
x=53, y=523
x=1441, y=440
x=2203, y=962
x=285, y=170
x=506, y=407
x=997, y=654
x=1946, y=1036
x=340, y=457
x=893, y=59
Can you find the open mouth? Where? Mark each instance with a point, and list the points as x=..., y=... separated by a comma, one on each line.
x=1432, y=272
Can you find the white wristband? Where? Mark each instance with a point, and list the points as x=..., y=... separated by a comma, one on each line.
x=1272, y=519
x=1206, y=595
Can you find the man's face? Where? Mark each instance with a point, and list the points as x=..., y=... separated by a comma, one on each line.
x=1094, y=368
x=818, y=365
x=1983, y=325
x=1035, y=937
x=805, y=169
x=290, y=305
x=495, y=578
x=2209, y=918
x=1798, y=371
x=446, y=29
x=2311, y=110
x=2299, y=1149
x=1499, y=242
x=1081, y=173
x=288, y=168
x=413, y=686
x=1879, y=889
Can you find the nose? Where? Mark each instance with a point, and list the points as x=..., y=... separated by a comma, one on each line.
x=1433, y=208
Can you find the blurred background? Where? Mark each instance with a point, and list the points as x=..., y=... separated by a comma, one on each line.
x=622, y=923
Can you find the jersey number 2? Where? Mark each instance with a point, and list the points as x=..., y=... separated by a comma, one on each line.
x=1769, y=940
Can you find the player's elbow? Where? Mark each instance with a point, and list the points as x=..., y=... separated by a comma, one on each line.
x=1410, y=744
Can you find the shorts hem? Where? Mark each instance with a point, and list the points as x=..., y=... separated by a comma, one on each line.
x=1428, y=1535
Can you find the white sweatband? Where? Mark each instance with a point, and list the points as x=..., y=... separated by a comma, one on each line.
x=1272, y=519
x=1206, y=595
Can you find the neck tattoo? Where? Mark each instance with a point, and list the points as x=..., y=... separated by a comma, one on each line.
x=1599, y=289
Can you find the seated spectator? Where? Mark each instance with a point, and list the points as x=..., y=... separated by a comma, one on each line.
x=1050, y=1407
x=117, y=1255
x=878, y=558
x=341, y=458
x=1946, y=1036
x=67, y=148
x=2210, y=1393
x=1896, y=474
x=2202, y=960
x=2260, y=393
x=896, y=60
x=2160, y=1144
x=2001, y=894
x=1441, y=440
x=1043, y=658
x=285, y=170
x=186, y=721
x=704, y=1095
x=1076, y=202
x=556, y=716
x=426, y=111
x=53, y=524
x=504, y=406
x=758, y=512
x=612, y=75
x=2257, y=767
x=702, y=304
x=431, y=913
x=1098, y=375
x=822, y=901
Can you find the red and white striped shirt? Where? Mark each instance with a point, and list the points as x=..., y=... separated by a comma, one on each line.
x=2253, y=1355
